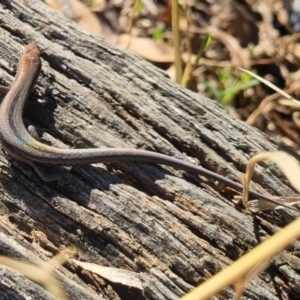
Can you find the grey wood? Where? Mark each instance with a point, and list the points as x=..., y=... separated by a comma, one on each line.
x=174, y=229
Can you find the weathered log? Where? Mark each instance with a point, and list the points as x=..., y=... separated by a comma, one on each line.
x=174, y=229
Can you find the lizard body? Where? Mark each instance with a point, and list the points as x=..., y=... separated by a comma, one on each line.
x=18, y=143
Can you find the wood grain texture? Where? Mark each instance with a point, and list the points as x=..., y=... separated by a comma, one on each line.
x=174, y=229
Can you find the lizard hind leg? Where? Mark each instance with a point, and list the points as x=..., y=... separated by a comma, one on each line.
x=49, y=173
x=46, y=172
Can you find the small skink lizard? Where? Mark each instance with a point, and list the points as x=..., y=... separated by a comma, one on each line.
x=18, y=143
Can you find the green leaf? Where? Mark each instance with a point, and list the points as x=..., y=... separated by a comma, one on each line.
x=159, y=33
x=218, y=93
x=207, y=40
x=139, y=7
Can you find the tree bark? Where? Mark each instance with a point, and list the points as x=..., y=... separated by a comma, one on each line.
x=173, y=229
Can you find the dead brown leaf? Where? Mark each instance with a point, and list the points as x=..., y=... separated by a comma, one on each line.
x=125, y=277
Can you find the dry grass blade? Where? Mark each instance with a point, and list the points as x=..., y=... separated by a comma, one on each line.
x=176, y=40
x=271, y=85
x=242, y=282
x=40, y=275
x=246, y=264
x=288, y=164
x=261, y=205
